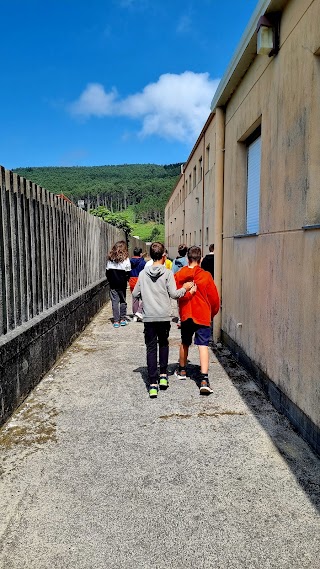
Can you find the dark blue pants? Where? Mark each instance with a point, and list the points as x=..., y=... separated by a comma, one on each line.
x=154, y=333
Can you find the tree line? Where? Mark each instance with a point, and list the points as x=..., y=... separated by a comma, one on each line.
x=144, y=188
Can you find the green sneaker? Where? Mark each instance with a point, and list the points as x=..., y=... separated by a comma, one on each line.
x=163, y=382
x=153, y=391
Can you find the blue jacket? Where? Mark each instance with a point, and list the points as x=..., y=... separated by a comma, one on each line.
x=137, y=265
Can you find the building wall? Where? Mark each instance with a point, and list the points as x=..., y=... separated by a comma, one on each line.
x=189, y=214
x=271, y=281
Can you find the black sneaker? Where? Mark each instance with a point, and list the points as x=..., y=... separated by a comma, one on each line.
x=205, y=388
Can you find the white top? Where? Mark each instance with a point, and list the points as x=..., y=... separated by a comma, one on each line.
x=123, y=266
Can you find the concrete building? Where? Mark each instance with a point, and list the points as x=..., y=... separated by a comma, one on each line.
x=258, y=199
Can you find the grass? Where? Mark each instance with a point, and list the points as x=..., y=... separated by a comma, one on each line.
x=144, y=231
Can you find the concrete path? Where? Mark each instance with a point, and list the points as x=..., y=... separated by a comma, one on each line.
x=94, y=475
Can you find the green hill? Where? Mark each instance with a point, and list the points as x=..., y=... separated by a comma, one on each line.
x=144, y=188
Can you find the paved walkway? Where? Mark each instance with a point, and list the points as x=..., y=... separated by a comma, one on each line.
x=94, y=475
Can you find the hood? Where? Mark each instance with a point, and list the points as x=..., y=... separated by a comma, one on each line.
x=196, y=274
x=155, y=272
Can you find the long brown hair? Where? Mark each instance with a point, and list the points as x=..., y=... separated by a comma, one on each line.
x=119, y=252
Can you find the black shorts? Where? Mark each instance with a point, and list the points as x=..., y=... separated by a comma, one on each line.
x=201, y=333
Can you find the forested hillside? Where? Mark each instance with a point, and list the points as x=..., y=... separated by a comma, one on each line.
x=144, y=188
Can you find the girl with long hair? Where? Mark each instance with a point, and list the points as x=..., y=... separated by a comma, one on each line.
x=118, y=273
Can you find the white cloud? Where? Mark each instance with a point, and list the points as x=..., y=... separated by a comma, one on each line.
x=94, y=101
x=175, y=107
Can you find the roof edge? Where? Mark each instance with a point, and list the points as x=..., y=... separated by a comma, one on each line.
x=247, y=36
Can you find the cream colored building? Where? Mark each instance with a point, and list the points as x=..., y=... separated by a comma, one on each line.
x=259, y=202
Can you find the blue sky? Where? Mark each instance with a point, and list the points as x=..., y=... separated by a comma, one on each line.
x=111, y=81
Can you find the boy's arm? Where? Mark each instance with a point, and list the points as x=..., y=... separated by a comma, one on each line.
x=172, y=287
x=213, y=296
x=189, y=294
x=136, y=293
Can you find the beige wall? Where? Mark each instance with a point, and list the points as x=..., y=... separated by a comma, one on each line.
x=189, y=214
x=271, y=281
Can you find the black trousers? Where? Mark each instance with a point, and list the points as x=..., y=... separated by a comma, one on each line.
x=157, y=332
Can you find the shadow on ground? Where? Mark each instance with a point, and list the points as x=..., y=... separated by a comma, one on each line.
x=302, y=461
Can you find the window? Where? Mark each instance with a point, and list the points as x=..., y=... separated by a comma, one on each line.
x=195, y=238
x=208, y=158
x=190, y=183
x=200, y=169
x=207, y=235
x=253, y=181
x=194, y=176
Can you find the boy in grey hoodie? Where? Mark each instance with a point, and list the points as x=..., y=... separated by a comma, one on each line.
x=155, y=286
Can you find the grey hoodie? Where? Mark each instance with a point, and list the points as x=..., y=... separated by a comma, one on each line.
x=155, y=286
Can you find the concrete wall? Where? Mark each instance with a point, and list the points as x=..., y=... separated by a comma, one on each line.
x=189, y=214
x=271, y=281
x=135, y=242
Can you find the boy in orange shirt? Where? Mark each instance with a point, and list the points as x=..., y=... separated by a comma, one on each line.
x=196, y=313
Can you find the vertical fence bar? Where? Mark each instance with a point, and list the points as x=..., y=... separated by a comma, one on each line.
x=38, y=258
x=3, y=295
x=42, y=250
x=80, y=238
x=46, y=244
x=9, y=268
x=64, y=248
x=74, y=215
x=53, y=258
x=27, y=238
x=16, y=231
x=55, y=213
x=32, y=245
x=23, y=253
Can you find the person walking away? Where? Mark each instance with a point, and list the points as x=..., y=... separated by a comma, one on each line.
x=118, y=273
x=155, y=286
x=207, y=262
x=196, y=312
x=168, y=262
x=181, y=260
x=137, y=265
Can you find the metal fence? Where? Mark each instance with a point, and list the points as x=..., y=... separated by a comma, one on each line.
x=49, y=250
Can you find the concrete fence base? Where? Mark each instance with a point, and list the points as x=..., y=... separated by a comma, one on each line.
x=28, y=352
